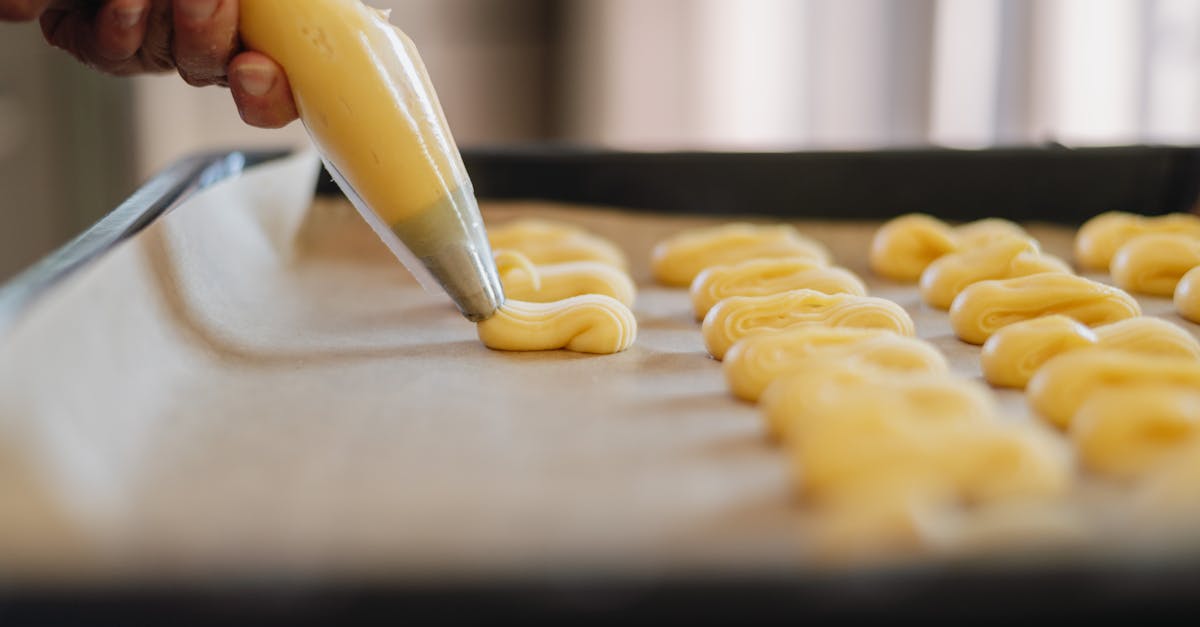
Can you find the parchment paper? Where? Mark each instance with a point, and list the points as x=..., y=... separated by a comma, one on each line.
x=253, y=386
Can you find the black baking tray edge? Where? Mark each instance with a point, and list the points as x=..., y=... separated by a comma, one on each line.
x=1027, y=184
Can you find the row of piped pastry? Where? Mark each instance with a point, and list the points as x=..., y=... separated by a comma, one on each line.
x=1126, y=387
x=565, y=288
x=876, y=427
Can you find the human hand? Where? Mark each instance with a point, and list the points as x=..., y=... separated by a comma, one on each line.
x=198, y=38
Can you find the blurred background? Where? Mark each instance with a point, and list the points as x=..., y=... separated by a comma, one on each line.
x=647, y=74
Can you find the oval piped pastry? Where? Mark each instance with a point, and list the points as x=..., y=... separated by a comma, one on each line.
x=903, y=247
x=1005, y=257
x=1066, y=382
x=1013, y=354
x=584, y=324
x=988, y=306
x=754, y=362
x=1099, y=238
x=763, y=277
x=677, y=260
x=548, y=242
x=1124, y=432
x=740, y=316
x=1148, y=336
x=818, y=386
x=524, y=281
x=1187, y=296
x=1153, y=264
x=988, y=230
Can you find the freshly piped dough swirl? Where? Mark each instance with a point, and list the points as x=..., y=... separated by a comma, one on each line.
x=1015, y=353
x=918, y=433
x=792, y=402
x=905, y=246
x=677, y=261
x=1153, y=264
x=1007, y=257
x=1125, y=431
x=525, y=281
x=1187, y=296
x=1066, y=382
x=585, y=324
x=1099, y=238
x=740, y=316
x=547, y=242
x=988, y=306
x=763, y=277
x=754, y=362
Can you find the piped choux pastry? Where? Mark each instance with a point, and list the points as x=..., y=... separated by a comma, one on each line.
x=905, y=246
x=1153, y=264
x=1068, y=381
x=820, y=386
x=586, y=324
x=763, y=277
x=1187, y=296
x=878, y=439
x=524, y=281
x=1014, y=354
x=1004, y=258
x=754, y=362
x=1123, y=432
x=677, y=260
x=988, y=306
x=1099, y=238
x=547, y=242
x=740, y=316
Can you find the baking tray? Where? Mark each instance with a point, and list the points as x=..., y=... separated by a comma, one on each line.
x=1149, y=180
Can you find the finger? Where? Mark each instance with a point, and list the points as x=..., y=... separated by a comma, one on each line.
x=261, y=91
x=120, y=29
x=22, y=10
x=205, y=39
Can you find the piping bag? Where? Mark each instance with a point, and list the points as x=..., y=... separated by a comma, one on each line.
x=366, y=100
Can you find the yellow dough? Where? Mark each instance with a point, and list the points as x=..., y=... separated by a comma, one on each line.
x=677, y=260
x=905, y=246
x=1004, y=258
x=1148, y=336
x=585, y=324
x=523, y=280
x=754, y=362
x=739, y=316
x=1153, y=264
x=546, y=242
x=365, y=98
x=872, y=439
x=1125, y=431
x=1168, y=492
x=1066, y=382
x=762, y=277
x=1014, y=354
x=819, y=387
x=1187, y=296
x=1100, y=238
x=987, y=306
x=988, y=230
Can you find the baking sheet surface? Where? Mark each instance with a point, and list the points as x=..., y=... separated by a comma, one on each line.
x=253, y=385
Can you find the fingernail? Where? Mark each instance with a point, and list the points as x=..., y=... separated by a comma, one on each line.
x=197, y=10
x=128, y=17
x=255, y=80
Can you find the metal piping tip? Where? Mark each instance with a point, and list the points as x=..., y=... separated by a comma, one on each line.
x=471, y=281
x=452, y=244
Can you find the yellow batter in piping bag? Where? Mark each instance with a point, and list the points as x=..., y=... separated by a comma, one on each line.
x=366, y=100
